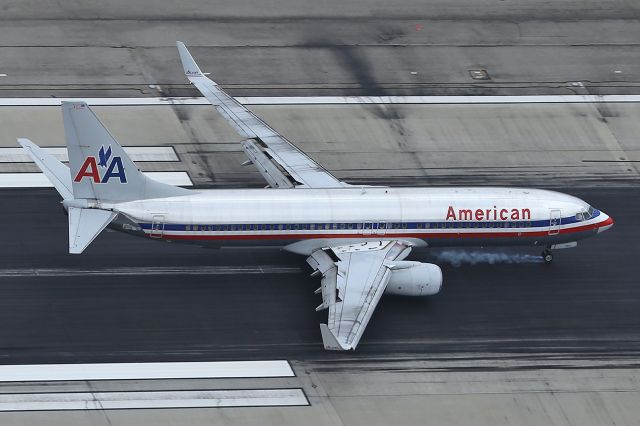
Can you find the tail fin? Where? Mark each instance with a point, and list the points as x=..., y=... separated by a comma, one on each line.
x=84, y=223
x=100, y=169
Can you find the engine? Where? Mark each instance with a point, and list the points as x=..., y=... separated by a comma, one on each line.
x=414, y=279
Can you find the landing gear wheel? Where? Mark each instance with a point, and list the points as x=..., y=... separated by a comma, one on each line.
x=547, y=255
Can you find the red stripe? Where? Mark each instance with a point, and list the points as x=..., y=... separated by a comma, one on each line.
x=425, y=235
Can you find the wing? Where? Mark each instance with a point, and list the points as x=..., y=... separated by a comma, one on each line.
x=278, y=160
x=354, y=279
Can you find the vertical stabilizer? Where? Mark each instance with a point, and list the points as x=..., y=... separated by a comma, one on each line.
x=100, y=169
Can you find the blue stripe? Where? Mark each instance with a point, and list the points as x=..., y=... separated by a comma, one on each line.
x=375, y=225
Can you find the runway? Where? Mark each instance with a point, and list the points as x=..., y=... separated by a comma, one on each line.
x=397, y=93
x=181, y=303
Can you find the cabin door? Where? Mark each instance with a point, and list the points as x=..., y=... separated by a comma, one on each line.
x=157, y=226
x=554, y=222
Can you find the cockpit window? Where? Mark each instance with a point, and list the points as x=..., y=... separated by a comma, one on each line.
x=579, y=217
x=588, y=214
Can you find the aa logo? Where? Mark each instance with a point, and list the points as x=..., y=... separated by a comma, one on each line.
x=90, y=169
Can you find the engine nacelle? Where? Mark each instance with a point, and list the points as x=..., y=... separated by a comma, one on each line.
x=414, y=279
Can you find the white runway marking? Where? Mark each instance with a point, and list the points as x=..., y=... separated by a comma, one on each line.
x=145, y=371
x=39, y=180
x=332, y=100
x=153, y=399
x=137, y=270
x=137, y=153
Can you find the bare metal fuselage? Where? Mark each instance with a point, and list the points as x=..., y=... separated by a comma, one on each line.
x=306, y=219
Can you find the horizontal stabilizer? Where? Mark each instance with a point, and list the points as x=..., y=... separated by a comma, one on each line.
x=57, y=173
x=85, y=225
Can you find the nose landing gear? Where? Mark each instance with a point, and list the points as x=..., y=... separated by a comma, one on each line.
x=547, y=255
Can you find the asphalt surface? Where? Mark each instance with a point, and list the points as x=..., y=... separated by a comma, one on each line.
x=259, y=304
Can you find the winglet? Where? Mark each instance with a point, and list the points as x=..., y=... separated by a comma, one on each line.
x=190, y=67
x=85, y=225
x=330, y=341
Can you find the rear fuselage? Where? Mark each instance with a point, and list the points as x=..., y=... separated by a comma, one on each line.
x=309, y=217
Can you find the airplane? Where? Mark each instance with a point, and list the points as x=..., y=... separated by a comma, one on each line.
x=356, y=237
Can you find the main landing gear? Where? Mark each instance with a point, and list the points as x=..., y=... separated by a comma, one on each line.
x=547, y=255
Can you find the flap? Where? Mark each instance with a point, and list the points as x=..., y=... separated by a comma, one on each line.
x=352, y=287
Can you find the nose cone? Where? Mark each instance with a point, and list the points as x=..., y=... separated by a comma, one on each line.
x=606, y=223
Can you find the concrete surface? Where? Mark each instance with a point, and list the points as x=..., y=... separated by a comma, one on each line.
x=406, y=392
x=302, y=47
x=499, y=144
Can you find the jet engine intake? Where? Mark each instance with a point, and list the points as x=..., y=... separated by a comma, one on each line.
x=414, y=279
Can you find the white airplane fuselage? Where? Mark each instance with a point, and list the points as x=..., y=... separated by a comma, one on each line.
x=304, y=219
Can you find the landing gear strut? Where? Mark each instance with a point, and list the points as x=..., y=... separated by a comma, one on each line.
x=547, y=255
